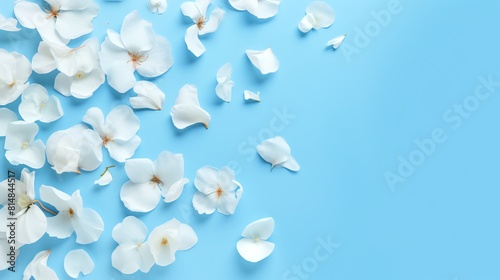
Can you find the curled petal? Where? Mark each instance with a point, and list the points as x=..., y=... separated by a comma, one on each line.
x=88, y=226
x=225, y=84
x=149, y=96
x=105, y=179
x=274, y=150
x=213, y=22
x=261, y=229
x=77, y=261
x=251, y=95
x=264, y=60
x=187, y=110
x=137, y=34
x=38, y=268
x=193, y=42
x=337, y=41
x=254, y=251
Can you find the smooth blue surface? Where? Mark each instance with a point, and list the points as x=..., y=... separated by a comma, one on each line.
x=353, y=113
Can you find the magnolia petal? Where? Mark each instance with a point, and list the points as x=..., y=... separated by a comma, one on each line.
x=251, y=95
x=120, y=150
x=264, y=60
x=149, y=96
x=274, y=150
x=254, y=251
x=140, y=197
x=173, y=192
x=159, y=6
x=213, y=22
x=337, y=41
x=121, y=76
x=159, y=59
x=43, y=61
x=105, y=179
x=54, y=197
x=229, y=201
x=322, y=14
x=306, y=24
x=261, y=229
x=188, y=237
x=8, y=24
x=38, y=268
x=131, y=231
x=88, y=226
x=187, y=110
x=192, y=10
x=137, y=34
x=122, y=123
x=225, y=84
x=6, y=117
x=77, y=261
x=63, y=83
x=32, y=225
x=263, y=9
x=139, y=170
x=193, y=43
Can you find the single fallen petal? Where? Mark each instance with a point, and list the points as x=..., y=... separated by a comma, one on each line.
x=77, y=261
x=274, y=150
x=264, y=60
x=251, y=95
x=261, y=229
x=254, y=246
x=157, y=6
x=149, y=96
x=263, y=9
x=319, y=14
x=193, y=43
x=187, y=110
x=38, y=268
x=224, y=83
x=335, y=42
x=105, y=178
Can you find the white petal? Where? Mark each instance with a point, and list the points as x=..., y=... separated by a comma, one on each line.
x=63, y=83
x=203, y=203
x=131, y=231
x=77, y=261
x=32, y=225
x=20, y=133
x=225, y=84
x=8, y=24
x=274, y=150
x=47, y=29
x=140, y=197
x=120, y=150
x=60, y=225
x=251, y=96
x=335, y=42
x=95, y=118
x=6, y=117
x=322, y=12
x=38, y=268
x=188, y=237
x=264, y=60
x=137, y=34
x=207, y=179
x=115, y=63
x=213, y=22
x=121, y=76
x=159, y=59
x=139, y=170
x=239, y=5
x=193, y=42
x=55, y=197
x=26, y=11
x=173, y=192
x=187, y=110
x=121, y=123
x=306, y=24
x=149, y=96
x=229, y=201
x=71, y=24
x=159, y=6
x=263, y=8
x=261, y=229
x=126, y=259
x=190, y=9
x=169, y=168
x=44, y=61
x=37, y=105
x=88, y=226
x=105, y=179
x=32, y=156
x=254, y=251
x=291, y=164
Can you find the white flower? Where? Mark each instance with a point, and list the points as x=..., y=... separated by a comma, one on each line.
x=84, y=79
x=251, y=95
x=224, y=83
x=137, y=47
x=133, y=252
x=105, y=178
x=197, y=11
x=75, y=148
x=77, y=261
x=149, y=96
x=187, y=110
x=38, y=268
x=150, y=180
x=277, y=152
x=217, y=189
x=8, y=24
x=72, y=217
x=21, y=146
x=260, y=8
x=165, y=240
x=15, y=69
x=157, y=6
x=36, y=105
x=6, y=117
x=117, y=132
x=319, y=14
x=254, y=246
x=335, y=42
x=31, y=221
x=62, y=21
x=264, y=60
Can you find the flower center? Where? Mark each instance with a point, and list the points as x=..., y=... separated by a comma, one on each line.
x=156, y=180
x=200, y=23
x=25, y=145
x=11, y=85
x=219, y=192
x=164, y=241
x=42, y=105
x=24, y=201
x=256, y=239
x=79, y=75
x=137, y=59
x=106, y=140
x=139, y=245
x=71, y=212
x=52, y=13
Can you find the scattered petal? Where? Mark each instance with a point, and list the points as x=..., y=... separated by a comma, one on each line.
x=15, y=69
x=77, y=261
x=264, y=60
x=335, y=42
x=105, y=178
x=224, y=83
x=251, y=96
x=254, y=246
x=149, y=96
x=262, y=9
x=187, y=110
x=319, y=14
x=277, y=152
x=157, y=6
x=38, y=268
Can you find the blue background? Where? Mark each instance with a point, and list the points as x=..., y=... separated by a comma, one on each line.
x=355, y=111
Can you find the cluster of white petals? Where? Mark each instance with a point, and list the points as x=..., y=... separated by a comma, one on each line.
x=319, y=14
x=157, y=6
x=150, y=180
x=253, y=96
x=62, y=21
x=224, y=83
x=254, y=246
x=277, y=152
x=37, y=105
x=21, y=146
x=217, y=189
x=187, y=109
x=72, y=217
x=31, y=222
x=149, y=96
x=76, y=262
x=133, y=252
x=264, y=60
x=117, y=132
x=15, y=69
x=8, y=24
x=335, y=42
x=197, y=11
x=38, y=268
x=75, y=148
x=262, y=9
x=137, y=47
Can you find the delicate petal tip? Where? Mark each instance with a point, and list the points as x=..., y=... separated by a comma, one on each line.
x=248, y=95
x=264, y=60
x=337, y=41
x=76, y=262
